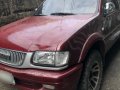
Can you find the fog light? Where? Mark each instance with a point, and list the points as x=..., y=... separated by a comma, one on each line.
x=49, y=87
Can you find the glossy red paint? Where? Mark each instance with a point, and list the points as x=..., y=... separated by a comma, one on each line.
x=75, y=33
x=93, y=39
x=30, y=79
x=40, y=33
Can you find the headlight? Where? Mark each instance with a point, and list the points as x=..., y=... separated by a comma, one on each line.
x=50, y=59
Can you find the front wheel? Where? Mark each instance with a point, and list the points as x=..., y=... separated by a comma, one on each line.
x=92, y=72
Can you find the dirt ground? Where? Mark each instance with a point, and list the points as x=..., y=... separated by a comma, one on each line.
x=111, y=77
x=6, y=87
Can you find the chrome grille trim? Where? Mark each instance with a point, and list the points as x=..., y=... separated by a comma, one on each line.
x=24, y=62
x=16, y=58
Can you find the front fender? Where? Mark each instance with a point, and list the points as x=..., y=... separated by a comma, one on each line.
x=95, y=38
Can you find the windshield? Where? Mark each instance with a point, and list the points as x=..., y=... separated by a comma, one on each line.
x=50, y=7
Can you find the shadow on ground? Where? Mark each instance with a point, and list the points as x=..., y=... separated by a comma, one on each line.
x=111, y=76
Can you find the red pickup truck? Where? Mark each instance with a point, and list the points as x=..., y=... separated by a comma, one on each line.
x=61, y=47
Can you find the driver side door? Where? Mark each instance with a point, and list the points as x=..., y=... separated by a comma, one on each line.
x=110, y=23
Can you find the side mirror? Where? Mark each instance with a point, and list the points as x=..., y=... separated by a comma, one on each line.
x=109, y=8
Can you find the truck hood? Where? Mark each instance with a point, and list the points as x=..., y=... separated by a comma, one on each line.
x=41, y=32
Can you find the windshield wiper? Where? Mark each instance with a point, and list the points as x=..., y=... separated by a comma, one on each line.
x=60, y=13
x=39, y=15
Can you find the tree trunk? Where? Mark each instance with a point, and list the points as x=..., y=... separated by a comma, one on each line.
x=11, y=6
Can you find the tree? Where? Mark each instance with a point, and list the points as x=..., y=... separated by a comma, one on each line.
x=11, y=6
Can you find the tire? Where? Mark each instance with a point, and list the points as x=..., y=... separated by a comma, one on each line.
x=92, y=72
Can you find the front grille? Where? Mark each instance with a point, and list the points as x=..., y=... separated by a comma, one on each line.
x=14, y=58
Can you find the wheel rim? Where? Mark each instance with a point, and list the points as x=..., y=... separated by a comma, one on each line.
x=94, y=76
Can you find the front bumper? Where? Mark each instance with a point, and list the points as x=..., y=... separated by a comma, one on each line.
x=32, y=79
